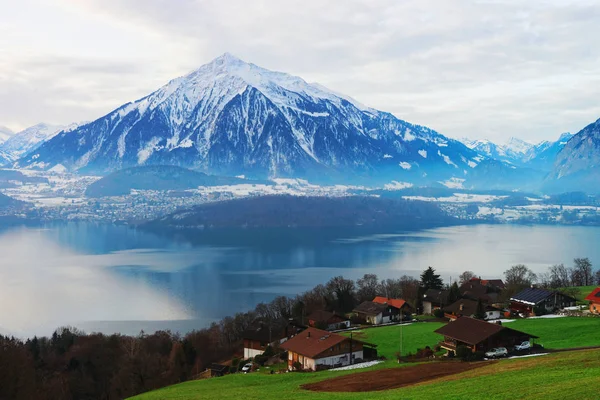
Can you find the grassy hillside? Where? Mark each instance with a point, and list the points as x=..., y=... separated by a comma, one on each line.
x=572, y=375
x=561, y=333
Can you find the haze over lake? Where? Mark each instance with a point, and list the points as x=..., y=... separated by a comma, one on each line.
x=118, y=279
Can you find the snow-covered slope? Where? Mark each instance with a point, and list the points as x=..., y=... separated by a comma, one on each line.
x=230, y=117
x=521, y=153
x=5, y=134
x=513, y=151
x=577, y=165
x=29, y=139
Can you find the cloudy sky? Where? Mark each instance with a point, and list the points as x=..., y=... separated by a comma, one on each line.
x=480, y=69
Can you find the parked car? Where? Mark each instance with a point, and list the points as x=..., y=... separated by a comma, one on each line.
x=497, y=352
x=523, y=346
x=247, y=368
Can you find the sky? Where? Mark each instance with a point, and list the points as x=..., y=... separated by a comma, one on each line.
x=477, y=69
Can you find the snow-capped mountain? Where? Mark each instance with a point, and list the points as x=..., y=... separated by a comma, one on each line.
x=521, y=153
x=233, y=118
x=513, y=151
x=542, y=155
x=29, y=139
x=577, y=165
x=5, y=134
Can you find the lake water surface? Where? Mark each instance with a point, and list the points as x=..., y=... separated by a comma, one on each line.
x=119, y=279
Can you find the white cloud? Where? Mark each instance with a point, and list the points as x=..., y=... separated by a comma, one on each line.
x=478, y=69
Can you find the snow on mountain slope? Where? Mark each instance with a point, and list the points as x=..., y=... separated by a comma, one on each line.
x=233, y=118
x=5, y=134
x=28, y=139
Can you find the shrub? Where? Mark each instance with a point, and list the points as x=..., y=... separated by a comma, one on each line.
x=438, y=313
x=269, y=352
x=261, y=359
x=297, y=366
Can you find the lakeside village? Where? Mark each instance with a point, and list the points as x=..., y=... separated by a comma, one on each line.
x=477, y=315
x=52, y=196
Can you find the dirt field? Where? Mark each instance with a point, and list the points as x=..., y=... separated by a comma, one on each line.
x=392, y=378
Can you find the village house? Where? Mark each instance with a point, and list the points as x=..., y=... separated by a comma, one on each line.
x=314, y=349
x=376, y=314
x=479, y=335
x=526, y=301
x=400, y=304
x=328, y=320
x=434, y=299
x=260, y=335
x=478, y=289
x=594, y=299
x=468, y=308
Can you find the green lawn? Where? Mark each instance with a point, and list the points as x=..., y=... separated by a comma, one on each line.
x=561, y=333
x=572, y=375
x=583, y=291
x=387, y=338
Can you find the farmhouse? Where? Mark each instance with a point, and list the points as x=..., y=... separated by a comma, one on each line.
x=476, y=289
x=479, y=335
x=327, y=320
x=468, y=308
x=314, y=348
x=526, y=301
x=258, y=337
x=434, y=299
x=375, y=313
x=594, y=299
x=400, y=304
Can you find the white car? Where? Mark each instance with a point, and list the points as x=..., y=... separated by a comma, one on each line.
x=497, y=352
x=247, y=368
x=523, y=346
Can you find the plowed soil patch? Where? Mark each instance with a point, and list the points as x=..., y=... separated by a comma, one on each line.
x=392, y=378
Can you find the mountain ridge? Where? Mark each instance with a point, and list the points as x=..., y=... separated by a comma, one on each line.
x=234, y=118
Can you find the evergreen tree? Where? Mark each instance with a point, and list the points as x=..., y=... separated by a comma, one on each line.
x=454, y=293
x=480, y=313
x=431, y=280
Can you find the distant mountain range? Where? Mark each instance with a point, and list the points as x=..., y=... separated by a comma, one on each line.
x=5, y=134
x=233, y=118
x=520, y=153
x=19, y=144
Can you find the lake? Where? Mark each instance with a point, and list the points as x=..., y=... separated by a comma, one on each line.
x=118, y=279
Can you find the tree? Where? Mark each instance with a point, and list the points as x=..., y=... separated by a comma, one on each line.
x=559, y=276
x=454, y=293
x=480, y=312
x=597, y=277
x=343, y=292
x=519, y=276
x=431, y=280
x=584, y=266
x=368, y=287
x=465, y=277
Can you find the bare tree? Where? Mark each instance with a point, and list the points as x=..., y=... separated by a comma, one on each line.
x=597, y=277
x=368, y=287
x=584, y=266
x=559, y=276
x=465, y=277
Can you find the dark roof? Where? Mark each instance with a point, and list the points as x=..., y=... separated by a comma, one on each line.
x=473, y=331
x=497, y=283
x=323, y=316
x=372, y=308
x=535, y=296
x=266, y=332
x=436, y=296
x=594, y=296
x=313, y=342
x=469, y=307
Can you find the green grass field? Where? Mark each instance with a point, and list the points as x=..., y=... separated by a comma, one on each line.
x=387, y=338
x=561, y=333
x=583, y=291
x=572, y=375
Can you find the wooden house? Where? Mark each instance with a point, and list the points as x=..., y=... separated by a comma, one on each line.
x=594, y=299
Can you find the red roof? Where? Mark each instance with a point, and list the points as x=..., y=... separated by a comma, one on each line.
x=594, y=296
x=312, y=342
x=398, y=303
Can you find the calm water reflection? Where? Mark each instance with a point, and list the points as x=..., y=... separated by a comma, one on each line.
x=118, y=279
